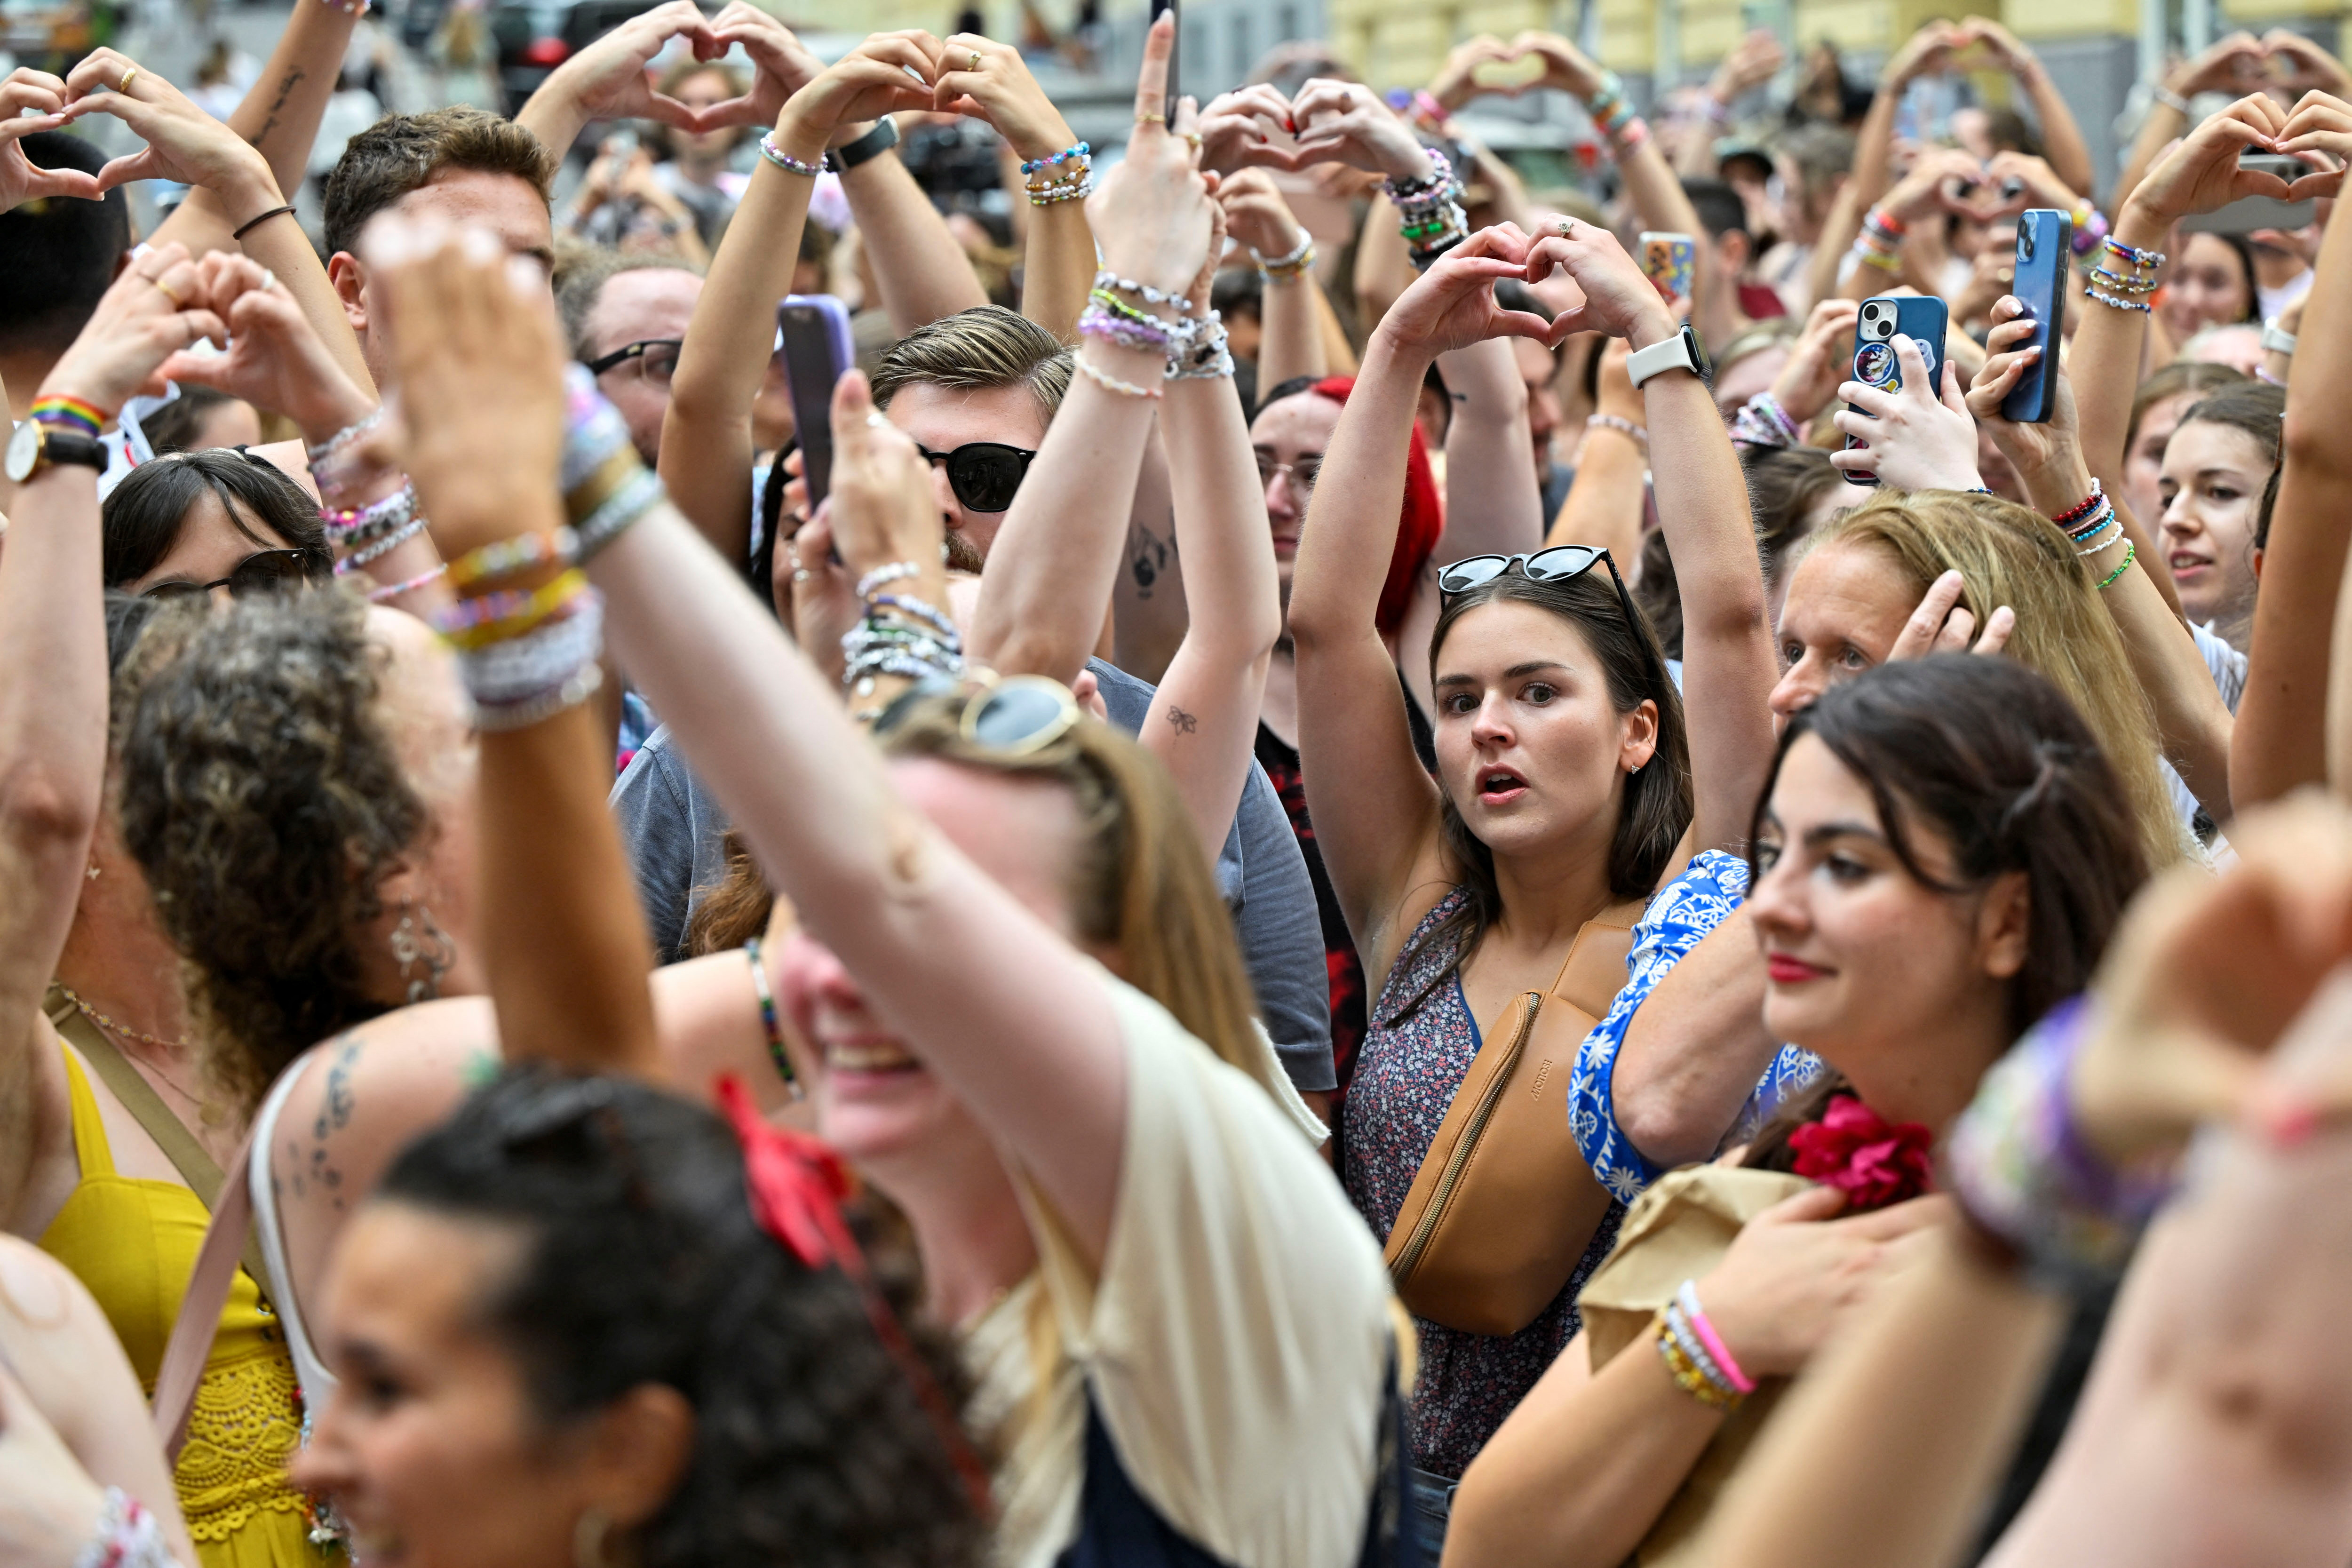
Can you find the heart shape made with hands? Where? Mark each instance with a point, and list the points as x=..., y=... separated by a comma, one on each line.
x=1985, y=199
x=1510, y=73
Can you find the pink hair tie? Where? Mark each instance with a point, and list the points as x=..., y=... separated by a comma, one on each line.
x=1688, y=1299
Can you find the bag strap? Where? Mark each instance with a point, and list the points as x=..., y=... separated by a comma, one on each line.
x=1595, y=970
x=191, y=1344
x=147, y=1107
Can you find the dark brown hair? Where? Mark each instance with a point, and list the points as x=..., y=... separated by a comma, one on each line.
x=405, y=152
x=2171, y=381
x=142, y=517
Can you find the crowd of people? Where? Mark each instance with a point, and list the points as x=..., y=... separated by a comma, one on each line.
x=1342, y=876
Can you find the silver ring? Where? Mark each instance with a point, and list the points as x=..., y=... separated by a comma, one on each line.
x=1568, y=228
x=975, y=61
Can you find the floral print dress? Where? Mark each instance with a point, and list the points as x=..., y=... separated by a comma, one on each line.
x=1407, y=1071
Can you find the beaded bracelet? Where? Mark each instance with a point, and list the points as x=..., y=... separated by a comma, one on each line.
x=355, y=526
x=928, y=614
x=2132, y=256
x=2119, y=283
x=770, y=1025
x=1292, y=262
x=1094, y=321
x=486, y=618
x=891, y=572
x=1688, y=1375
x=639, y=495
x=1622, y=426
x=391, y=591
x=523, y=667
x=2074, y=514
x=1439, y=178
x=506, y=557
x=126, y=1537
x=579, y=686
x=1111, y=282
x=1076, y=193
x=1206, y=358
x=1762, y=422
x=785, y=161
x=2110, y=529
x=1719, y=1353
x=2113, y=302
x=1111, y=382
x=593, y=430
x=63, y=409
x=322, y=451
x=1036, y=165
x=2017, y=1161
x=2131, y=551
x=382, y=547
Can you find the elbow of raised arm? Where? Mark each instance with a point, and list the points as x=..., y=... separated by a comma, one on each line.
x=40, y=808
x=2312, y=441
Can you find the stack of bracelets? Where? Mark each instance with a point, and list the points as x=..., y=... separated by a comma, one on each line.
x=1067, y=176
x=900, y=635
x=1696, y=1354
x=1429, y=212
x=527, y=654
x=1613, y=114
x=2093, y=526
x=1879, y=242
x=364, y=534
x=126, y=1536
x=1762, y=422
x=1115, y=312
x=1290, y=265
x=2028, y=1180
x=2125, y=275
x=2090, y=228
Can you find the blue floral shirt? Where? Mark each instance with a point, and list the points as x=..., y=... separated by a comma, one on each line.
x=1683, y=911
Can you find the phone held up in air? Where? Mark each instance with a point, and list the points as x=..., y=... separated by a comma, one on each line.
x=1671, y=262
x=2045, y=247
x=813, y=335
x=1921, y=317
x=1175, y=48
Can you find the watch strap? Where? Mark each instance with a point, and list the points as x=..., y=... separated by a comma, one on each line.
x=2277, y=339
x=865, y=148
x=1668, y=353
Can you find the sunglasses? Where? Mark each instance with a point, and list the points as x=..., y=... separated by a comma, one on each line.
x=1556, y=564
x=1017, y=716
x=265, y=572
x=659, y=357
x=984, y=474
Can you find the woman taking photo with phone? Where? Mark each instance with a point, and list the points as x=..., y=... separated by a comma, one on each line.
x=1567, y=780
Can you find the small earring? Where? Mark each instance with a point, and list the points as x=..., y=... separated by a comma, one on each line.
x=431, y=946
x=92, y=872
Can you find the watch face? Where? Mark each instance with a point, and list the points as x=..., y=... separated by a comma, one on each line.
x=24, y=451
x=1700, y=362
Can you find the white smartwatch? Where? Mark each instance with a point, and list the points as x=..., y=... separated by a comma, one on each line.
x=1681, y=351
x=2277, y=339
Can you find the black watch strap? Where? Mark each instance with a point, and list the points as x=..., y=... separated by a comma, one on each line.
x=866, y=148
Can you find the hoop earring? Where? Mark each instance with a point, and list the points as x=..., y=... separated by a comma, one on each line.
x=430, y=946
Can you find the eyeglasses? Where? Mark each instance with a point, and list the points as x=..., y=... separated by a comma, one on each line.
x=658, y=358
x=1301, y=474
x=984, y=474
x=1017, y=716
x=1556, y=564
x=264, y=572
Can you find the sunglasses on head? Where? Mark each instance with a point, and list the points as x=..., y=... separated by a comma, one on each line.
x=659, y=356
x=1556, y=564
x=264, y=572
x=984, y=474
x=1014, y=718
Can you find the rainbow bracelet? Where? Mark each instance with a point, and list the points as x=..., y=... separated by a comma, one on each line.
x=60, y=408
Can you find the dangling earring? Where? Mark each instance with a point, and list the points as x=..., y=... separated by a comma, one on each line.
x=430, y=946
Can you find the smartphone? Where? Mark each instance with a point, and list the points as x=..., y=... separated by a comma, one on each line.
x=1921, y=317
x=813, y=334
x=1671, y=261
x=1175, y=49
x=2251, y=212
x=2045, y=245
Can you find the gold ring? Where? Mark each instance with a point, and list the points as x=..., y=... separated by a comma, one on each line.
x=1192, y=140
x=1146, y=117
x=124, y=85
x=167, y=293
x=975, y=61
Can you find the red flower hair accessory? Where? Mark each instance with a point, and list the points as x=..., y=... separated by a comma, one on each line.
x=1873, y=1162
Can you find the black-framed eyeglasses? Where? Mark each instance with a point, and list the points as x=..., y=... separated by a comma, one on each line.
x=1015, y=717
x=658, y=358
x=264, y=572
x=984, y=474
x=1556, y=564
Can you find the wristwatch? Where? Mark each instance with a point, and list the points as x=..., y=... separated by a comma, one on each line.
x=1681, y=351
x=866, y=148
x=35, y=446
x=2277, y=339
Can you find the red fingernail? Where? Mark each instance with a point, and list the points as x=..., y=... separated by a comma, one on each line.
x=2288, y=1123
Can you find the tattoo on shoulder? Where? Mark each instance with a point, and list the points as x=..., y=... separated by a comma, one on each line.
x=1184, y=723
x=335, y=1105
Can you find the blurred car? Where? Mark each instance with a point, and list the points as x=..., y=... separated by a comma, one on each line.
x=50, y=34
x=534, y=37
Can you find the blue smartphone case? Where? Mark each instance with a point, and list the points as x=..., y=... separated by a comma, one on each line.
x=2045, y=245
x=1884, y=318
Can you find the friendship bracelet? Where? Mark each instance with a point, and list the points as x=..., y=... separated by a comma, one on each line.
x=785, y=161
x=1297, y=258
x=2121, y=284
x=2170, y=100
x=63, y=409
x=1440, y=177
x=2093, y=292
x=891, y=572
x=1076, y=193
x=523, y=667
x=928, y=614
x=464, y=622
x=1687, y=1298
x=326, y=449
x=506, y=557
x=382, y=547
x=769, y=1022
x=2132, y=255
x=1622, y=426
x=1762, y=422
x=621, y=511
x=602, y=485
x=1111, y=382
x=2110, y=529
x=593, y=431
x=1094, y=321
x=2131, y=551
x=395, y=590
x=1107, y=282
x=1035, y=164
x=502, y=718
x=1683, y=1370
x=354, y=526
x=2084, y=507
x=249, y=225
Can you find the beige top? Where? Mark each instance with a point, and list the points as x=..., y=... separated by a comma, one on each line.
x=1235, y=1341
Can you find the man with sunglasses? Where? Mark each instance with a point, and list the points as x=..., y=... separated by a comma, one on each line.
x=626, y=318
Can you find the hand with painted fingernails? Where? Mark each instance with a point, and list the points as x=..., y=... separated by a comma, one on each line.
x=1914, y=437
x=1248, y=126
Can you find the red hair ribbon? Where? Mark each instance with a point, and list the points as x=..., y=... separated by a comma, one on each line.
x=796, y=1184
x=1420, y=519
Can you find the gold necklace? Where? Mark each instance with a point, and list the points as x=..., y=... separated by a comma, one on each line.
x=124, y=1032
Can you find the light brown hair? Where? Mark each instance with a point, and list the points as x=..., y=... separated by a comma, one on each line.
x=405, y=152
x=978, y=350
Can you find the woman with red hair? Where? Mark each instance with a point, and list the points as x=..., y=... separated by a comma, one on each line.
x=1566, y=791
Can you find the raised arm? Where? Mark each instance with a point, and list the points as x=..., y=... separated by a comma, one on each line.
x=1290, y=324
x=1048, y=583
x=2062, y=139
x=1728, y=665
x=1605, y=502
x=1929, y=49
x=563, y=941
x=1492, y=502
x=988, y=81
x=607, y=80
x=2293, y=729
x=706, y=450
x=53, y=713
x=1375, y=809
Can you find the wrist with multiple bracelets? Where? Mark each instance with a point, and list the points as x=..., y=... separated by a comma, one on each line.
x=1762, y=422
x=1066, y=176
x=1702, y=1366
x=1121, y=312
x=2092, y=525
x=1879, y=242
x=900, y=635
x=1290, y=265
x=1429, y=211
x=2125, y=276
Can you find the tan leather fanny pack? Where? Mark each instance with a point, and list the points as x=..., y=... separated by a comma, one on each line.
x=1503, y=1202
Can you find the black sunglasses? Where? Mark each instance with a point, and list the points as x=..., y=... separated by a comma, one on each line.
x=984, y=474
x=1556, y=564
x=264, y=572
x=660, y=355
